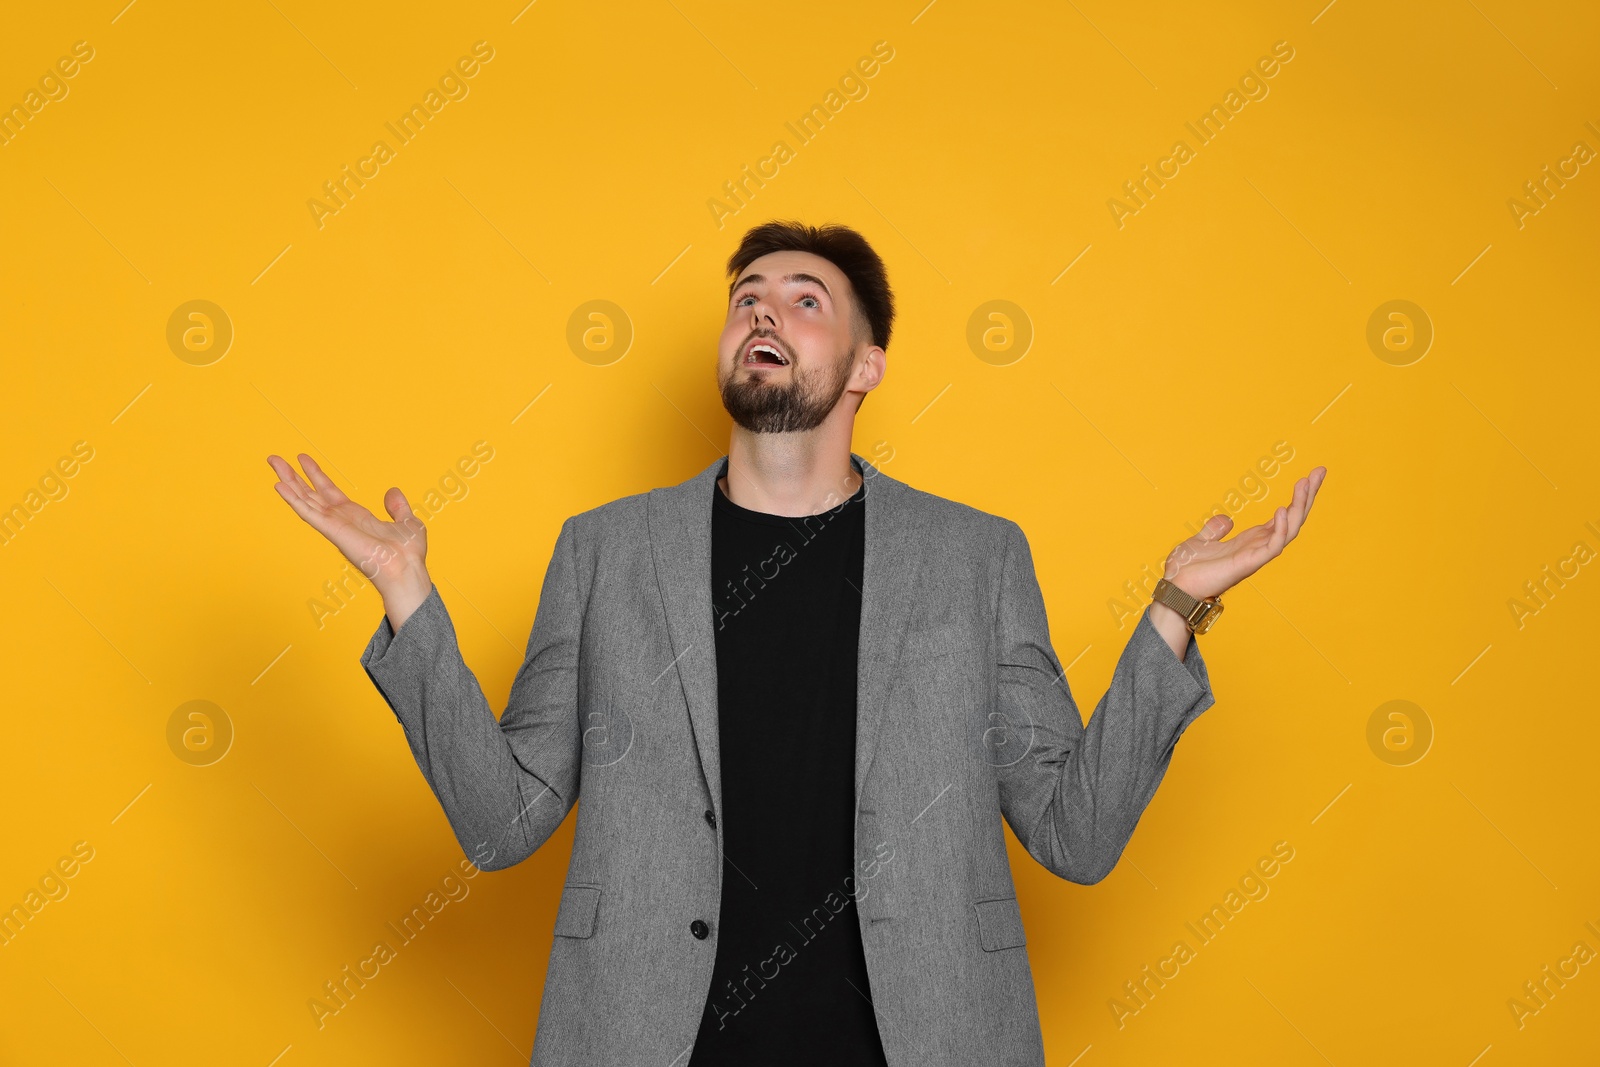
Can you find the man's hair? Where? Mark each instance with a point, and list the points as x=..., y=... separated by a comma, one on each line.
x=839, y=245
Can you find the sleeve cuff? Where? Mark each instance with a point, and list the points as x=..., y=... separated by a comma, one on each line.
x=396, y=662
x=1187, y=680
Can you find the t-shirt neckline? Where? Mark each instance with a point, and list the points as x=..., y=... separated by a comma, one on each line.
x=722, y=502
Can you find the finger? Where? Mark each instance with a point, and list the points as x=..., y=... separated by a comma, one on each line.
x=399, y=509
x=1313, y=482
x=1209, y=533
x=1261, y=531
x=395, y=503
x=289, y=481
x=1317, y=477
x=324, y=484
x=284, y=469
x=302, y=506
x=1297, y=507
x=1276, y=534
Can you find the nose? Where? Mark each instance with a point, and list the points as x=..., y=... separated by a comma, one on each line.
x=762, y=315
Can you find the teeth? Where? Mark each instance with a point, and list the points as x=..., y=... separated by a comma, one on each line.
x=765, y=348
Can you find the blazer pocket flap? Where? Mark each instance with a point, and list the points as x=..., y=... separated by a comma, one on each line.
x=575, y=917
x=999, y=924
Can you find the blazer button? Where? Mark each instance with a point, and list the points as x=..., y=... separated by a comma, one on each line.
x=711, y=818
x=699, y=929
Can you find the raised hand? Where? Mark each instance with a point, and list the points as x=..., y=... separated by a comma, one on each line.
x=1205, y=565
x=391, y=555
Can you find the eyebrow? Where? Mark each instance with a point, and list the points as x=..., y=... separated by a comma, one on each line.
x=751, y=279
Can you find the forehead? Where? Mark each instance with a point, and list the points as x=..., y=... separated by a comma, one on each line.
x=774, y=265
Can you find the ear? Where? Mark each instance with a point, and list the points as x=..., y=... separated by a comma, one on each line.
x=871, y=366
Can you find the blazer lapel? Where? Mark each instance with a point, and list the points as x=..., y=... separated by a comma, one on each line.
x=887, y=572
x=680, y=540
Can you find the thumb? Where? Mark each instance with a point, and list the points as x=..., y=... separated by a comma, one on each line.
x=1215, y=527
x=1189, y=549
x=394, y=502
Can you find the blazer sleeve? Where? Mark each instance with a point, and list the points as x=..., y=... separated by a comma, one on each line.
x=1073, y=793
x=504, y=785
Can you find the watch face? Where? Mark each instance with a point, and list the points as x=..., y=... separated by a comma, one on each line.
x=1213, y=609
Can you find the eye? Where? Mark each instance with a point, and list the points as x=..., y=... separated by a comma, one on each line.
x=814, y=302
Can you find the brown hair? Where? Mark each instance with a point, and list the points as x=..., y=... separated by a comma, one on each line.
x=844, y=248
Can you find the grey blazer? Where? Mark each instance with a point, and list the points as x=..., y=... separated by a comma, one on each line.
x=963, y=717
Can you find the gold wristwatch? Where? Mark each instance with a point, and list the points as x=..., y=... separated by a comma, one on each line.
x=1199, y=614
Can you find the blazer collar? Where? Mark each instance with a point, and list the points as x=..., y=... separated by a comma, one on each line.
x=680, y=540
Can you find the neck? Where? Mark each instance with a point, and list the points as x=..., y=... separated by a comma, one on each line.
x=791, y=473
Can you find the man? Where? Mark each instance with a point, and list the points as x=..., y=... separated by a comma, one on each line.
x=797, y=697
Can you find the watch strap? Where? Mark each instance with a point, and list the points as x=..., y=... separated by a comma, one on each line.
x=1197, y=613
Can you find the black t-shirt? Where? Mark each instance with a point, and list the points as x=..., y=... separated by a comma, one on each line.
x=789, y=985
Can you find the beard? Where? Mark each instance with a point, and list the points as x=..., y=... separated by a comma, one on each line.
x=801, y=403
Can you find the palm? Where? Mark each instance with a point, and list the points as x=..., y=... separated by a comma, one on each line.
x=378, y=548
x=1205, y=565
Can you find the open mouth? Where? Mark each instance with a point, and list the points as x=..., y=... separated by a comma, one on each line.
x=764, y=354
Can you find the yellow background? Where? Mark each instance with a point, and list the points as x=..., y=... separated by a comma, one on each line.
x=1228, y=314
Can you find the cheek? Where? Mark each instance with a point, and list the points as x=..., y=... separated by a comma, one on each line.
x=816, y=342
